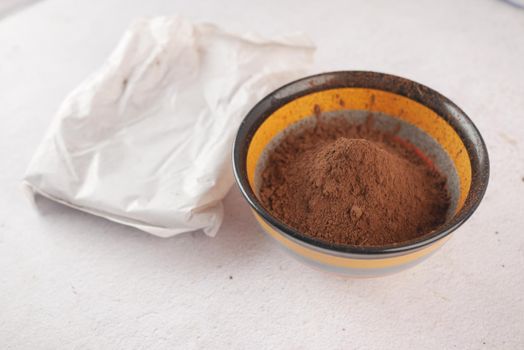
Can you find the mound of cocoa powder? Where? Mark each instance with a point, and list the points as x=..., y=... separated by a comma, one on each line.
x=352, y=184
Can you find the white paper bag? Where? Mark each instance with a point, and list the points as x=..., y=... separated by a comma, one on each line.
x=146, y=140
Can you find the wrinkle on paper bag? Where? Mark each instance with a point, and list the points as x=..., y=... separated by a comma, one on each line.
x=146, y=140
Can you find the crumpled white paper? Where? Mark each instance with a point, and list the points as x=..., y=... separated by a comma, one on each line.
x=146, y=141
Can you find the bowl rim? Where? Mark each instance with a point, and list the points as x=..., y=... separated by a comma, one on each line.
x=417, y=92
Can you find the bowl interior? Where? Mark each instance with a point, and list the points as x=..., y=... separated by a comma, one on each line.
x=420, y=116
x=412, y=122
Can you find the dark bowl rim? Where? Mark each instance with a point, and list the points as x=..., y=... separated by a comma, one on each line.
x=428, y=97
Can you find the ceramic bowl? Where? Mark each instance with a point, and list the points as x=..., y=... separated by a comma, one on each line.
x=418, y=114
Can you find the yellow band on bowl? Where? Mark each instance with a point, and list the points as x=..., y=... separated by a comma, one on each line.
x=371, y=100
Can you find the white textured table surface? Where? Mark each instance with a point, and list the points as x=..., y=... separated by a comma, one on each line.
x=71, y=280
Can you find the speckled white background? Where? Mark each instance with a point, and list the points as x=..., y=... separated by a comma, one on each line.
x=70, y=280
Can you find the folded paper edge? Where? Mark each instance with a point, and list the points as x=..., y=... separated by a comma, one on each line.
x=31, y=192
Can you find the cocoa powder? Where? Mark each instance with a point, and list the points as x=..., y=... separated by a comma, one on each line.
x=352, y=184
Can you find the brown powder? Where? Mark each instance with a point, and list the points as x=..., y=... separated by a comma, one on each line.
x=352, y=184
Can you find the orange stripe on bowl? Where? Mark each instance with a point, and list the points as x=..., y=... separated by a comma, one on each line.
x=371, y=100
